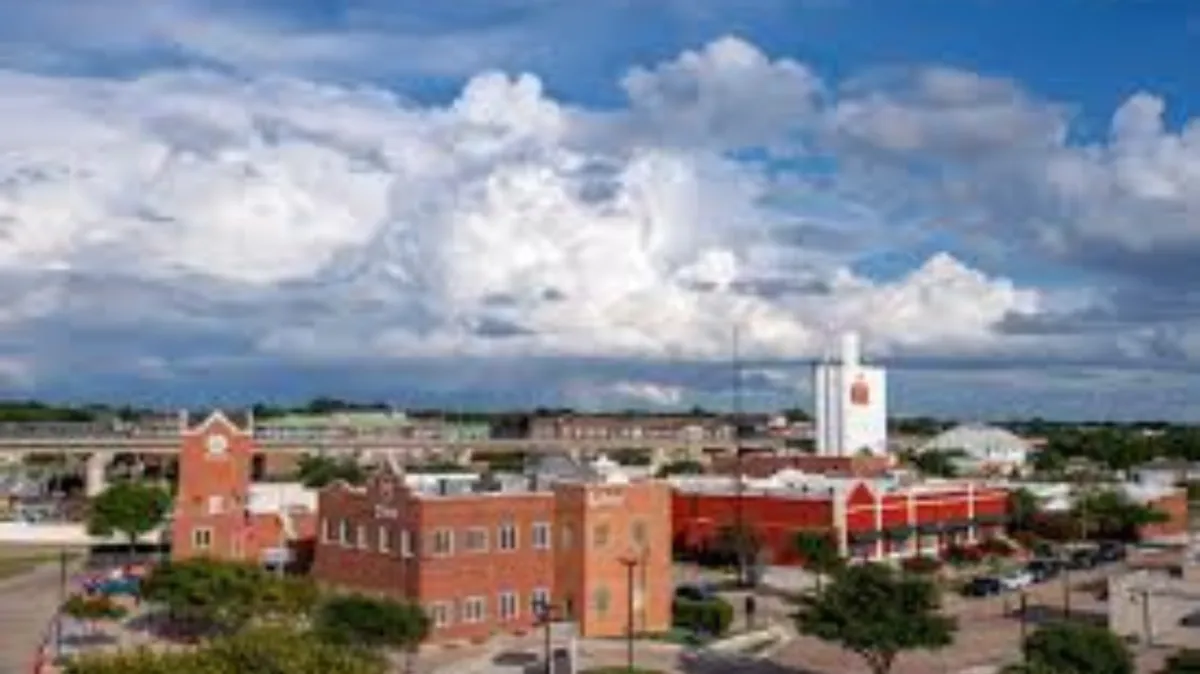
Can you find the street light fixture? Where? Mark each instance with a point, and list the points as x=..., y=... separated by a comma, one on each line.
x=630, y=562
x=545, y=617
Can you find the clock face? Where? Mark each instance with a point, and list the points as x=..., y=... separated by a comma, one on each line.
x=217, y=444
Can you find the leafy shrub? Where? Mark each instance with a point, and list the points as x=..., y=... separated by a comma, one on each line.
x=998, y=547
x=99, y=607
x=961, y=555
x=922, y=565
x=713, y=616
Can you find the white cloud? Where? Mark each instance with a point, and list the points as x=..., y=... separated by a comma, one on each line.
x=326, y=222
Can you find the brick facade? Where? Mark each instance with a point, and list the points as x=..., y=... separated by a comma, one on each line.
x=479, y=562
x=866, y=524
x=215, y=458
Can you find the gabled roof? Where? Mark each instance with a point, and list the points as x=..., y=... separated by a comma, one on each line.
x=241, y=421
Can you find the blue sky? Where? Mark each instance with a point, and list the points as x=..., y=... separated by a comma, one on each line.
x=574, y=203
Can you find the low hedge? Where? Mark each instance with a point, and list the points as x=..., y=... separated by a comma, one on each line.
x=922, y=565
x=713, y=616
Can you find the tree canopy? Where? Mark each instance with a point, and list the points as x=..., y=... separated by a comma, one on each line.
x=1076, y=648
x=372, y=622
x=226, y=596
x=318, y=471
x=878, y=612
x=820, y=553
x=130, y=509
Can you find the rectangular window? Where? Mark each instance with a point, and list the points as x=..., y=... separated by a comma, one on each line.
x=600, y=600
x=439, y=614
x=508, y=606
x=216, y=505
x=406, y=543
x=385, y=539
x=442, y=543
x=327, y=530
x=475, y=539
x=568, y=537
x=507, y=538
x=541, y=536
x=474, y=610
x=638, y=534
x=539, y=598
x=343, y=533
x=202, y=538
x=361, y=537
x=600, y=536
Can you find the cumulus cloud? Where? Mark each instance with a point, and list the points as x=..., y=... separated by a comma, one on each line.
x=216, y=220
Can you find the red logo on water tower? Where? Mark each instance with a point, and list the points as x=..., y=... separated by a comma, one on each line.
x=860, y=393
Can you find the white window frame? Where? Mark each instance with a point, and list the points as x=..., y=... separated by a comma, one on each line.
x=343, y=532
x=440, y=614
x=406, y=549
x=482, y=533
x=326, y=530
x=216, y=504
x=360, y=537
x=441, y=535
x=540, y=536
x=385, y=538
x=474, y=610
x=508, y=606
x=502, y=544
x=540, y=595
x=202, y=542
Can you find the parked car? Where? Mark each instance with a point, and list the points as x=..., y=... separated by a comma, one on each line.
x=1044, y=569
x=695, y=592
x=1016, y=579
x=1111, y=551
x=1082, y=559
x=982, y=586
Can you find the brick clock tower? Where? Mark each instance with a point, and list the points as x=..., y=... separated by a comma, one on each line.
x=210, y=518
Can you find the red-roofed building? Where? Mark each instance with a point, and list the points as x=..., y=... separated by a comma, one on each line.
x=868, y=519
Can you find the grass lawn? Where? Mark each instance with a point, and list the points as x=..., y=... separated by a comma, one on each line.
x=16, y=560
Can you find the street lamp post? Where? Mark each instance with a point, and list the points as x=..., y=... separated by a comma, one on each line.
x=1024, y=606
x=544, y=612
x=630, y=562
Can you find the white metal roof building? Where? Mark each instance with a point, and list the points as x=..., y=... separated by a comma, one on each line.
x=983, y=447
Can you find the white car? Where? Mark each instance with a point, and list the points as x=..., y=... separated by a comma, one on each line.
x=1016, y=579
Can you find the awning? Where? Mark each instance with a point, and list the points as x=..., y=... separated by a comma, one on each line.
x=864, y=536
x=991, y=519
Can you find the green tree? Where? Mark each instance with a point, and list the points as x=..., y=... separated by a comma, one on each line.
x=218, y=596
x=1186, y=661
x=937, y=462
x=877, y=612
x=1024, y=506
x=685, y=467
x=1078, y=648
x=318, y=471
x=1108, y=513
x=819, y=552
x=370, y=622
x=131, y=509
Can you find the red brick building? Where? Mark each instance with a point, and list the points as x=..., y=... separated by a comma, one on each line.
x=868, y=519
x=765, y=464
x=482, y=560
x=219, y=512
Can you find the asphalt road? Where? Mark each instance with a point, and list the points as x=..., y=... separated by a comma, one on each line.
x=27, y=604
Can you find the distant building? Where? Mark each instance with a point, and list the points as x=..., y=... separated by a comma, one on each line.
x=763, y=465
x=868, y=519
x=481, y=555
x=692, y=429
x=985, y=449
x=850, y=404
x=1166, y=472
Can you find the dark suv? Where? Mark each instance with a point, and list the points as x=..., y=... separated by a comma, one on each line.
x=1110, y=551
x=982, y=586
x=1044, y=569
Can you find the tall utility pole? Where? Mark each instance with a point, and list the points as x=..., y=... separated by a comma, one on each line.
x=740, y=533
